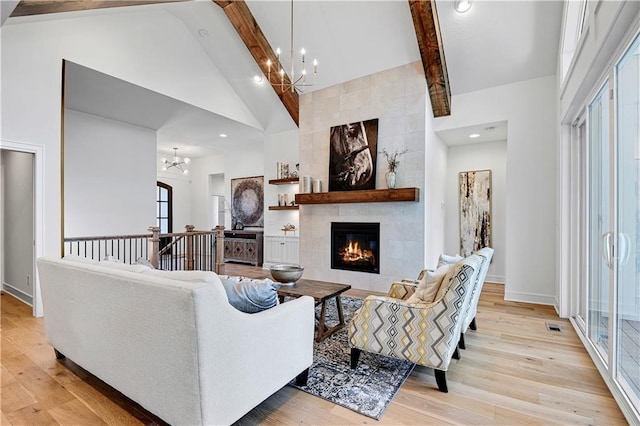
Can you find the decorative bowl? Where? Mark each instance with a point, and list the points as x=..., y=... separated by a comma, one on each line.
x=286, y=274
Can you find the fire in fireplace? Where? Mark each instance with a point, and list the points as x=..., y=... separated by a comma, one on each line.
x=355, y=246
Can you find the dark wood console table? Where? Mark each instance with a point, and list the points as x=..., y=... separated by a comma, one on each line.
x=243, y=246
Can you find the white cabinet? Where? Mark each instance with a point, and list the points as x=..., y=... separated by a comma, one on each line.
x=279, y=249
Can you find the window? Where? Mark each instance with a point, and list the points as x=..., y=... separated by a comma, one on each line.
x=164, y=213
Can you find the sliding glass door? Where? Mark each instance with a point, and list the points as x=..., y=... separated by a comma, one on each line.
x=600, y=272
x=627, y=262
x=612, y=288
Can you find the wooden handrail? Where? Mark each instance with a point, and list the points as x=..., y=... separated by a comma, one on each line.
x=191, y=249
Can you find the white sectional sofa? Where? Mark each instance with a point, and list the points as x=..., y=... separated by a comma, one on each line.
x=175, y=347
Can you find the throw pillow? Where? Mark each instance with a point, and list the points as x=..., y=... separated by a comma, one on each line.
x=145, y=262
x=448, y=280
x=445, y=259
x=429, y=285
x=123, y=266
x=189, y=276
x=79, y=259
x=250, y=295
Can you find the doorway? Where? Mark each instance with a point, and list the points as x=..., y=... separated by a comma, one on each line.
x=17, y=217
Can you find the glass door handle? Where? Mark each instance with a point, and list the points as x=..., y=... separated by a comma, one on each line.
x=606, y=249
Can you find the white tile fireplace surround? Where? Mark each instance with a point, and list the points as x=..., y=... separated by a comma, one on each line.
x=396, y=97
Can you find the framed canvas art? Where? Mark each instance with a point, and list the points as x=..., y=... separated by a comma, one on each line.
x=475, y=210
x=247, y=200
x=352, y=156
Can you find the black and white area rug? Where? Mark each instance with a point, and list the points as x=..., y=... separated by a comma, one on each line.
x=370, y=387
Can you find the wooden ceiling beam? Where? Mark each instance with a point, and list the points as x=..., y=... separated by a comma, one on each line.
x=41, y=7
x=245, y=24
x=427, y=26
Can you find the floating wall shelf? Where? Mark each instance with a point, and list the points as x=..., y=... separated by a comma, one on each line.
x=285, y=181
x=283, y=207
x=364, y=196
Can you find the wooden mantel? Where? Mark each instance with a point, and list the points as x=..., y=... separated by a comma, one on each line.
x=365, y=196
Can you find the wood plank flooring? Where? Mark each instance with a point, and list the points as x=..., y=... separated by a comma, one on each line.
x=514, y=371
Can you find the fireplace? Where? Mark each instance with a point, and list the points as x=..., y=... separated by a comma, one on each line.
x=355, y=246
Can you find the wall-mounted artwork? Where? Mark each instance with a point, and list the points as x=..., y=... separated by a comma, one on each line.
x=475, y=210
x=247, y=200
x=352, y=156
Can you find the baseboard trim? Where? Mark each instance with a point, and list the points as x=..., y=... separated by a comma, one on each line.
x=498, y=279
x=17, y=293
x=538, y=299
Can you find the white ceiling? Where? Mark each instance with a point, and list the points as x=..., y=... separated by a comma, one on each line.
x=494, y=43
x=487, y=132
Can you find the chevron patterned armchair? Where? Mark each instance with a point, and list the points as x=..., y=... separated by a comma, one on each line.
x=422, y=333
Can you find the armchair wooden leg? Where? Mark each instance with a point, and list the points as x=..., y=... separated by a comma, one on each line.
x=456, y=354
x=461, y=344
x=301, y=379
x=473, y=325
x=441, y=380
x=59, y=355
x=355, y=356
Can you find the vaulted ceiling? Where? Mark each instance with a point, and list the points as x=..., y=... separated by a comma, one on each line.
x=494, y=43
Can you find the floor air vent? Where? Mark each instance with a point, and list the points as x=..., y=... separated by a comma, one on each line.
x=553, y=327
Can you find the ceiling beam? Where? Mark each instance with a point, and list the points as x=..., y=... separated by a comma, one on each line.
x=41, y=7
x=427, y=26
x=245, y=24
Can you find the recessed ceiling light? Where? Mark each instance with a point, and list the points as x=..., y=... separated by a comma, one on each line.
x=462, y=6
x=258, y=79
x=223, y=135
x=474, y=135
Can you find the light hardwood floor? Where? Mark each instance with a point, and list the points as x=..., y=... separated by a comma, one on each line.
x=514, y=371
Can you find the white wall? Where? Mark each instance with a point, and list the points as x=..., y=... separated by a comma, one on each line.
x=147, y=47
x=279, y=147
x=110, y=182
x=530, y=108
x=480, y=156
x=398, y=98
x=17, y=187
x=200, y=192
x=434, y=192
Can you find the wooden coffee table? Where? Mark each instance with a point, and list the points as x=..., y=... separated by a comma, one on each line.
x=321, y=291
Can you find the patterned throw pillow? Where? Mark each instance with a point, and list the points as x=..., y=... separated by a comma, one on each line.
x=250, y=295
x=429, y=285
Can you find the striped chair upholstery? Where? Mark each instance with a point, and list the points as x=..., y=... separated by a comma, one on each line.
x=422, y=333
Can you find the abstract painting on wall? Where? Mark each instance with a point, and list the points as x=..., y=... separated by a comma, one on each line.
x=247, y=201
x=352, y=156
x=475, y=210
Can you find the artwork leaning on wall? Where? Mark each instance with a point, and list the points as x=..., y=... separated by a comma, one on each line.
x=475, y=210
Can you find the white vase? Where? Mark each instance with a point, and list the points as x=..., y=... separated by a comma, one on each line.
x=391, y=179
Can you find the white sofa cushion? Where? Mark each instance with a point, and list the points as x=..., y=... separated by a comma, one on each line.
x=123, y=266
x=79, y=259
x=188, y=276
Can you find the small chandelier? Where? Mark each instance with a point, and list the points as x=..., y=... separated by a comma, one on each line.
x=292, y=83
x=177, y=162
